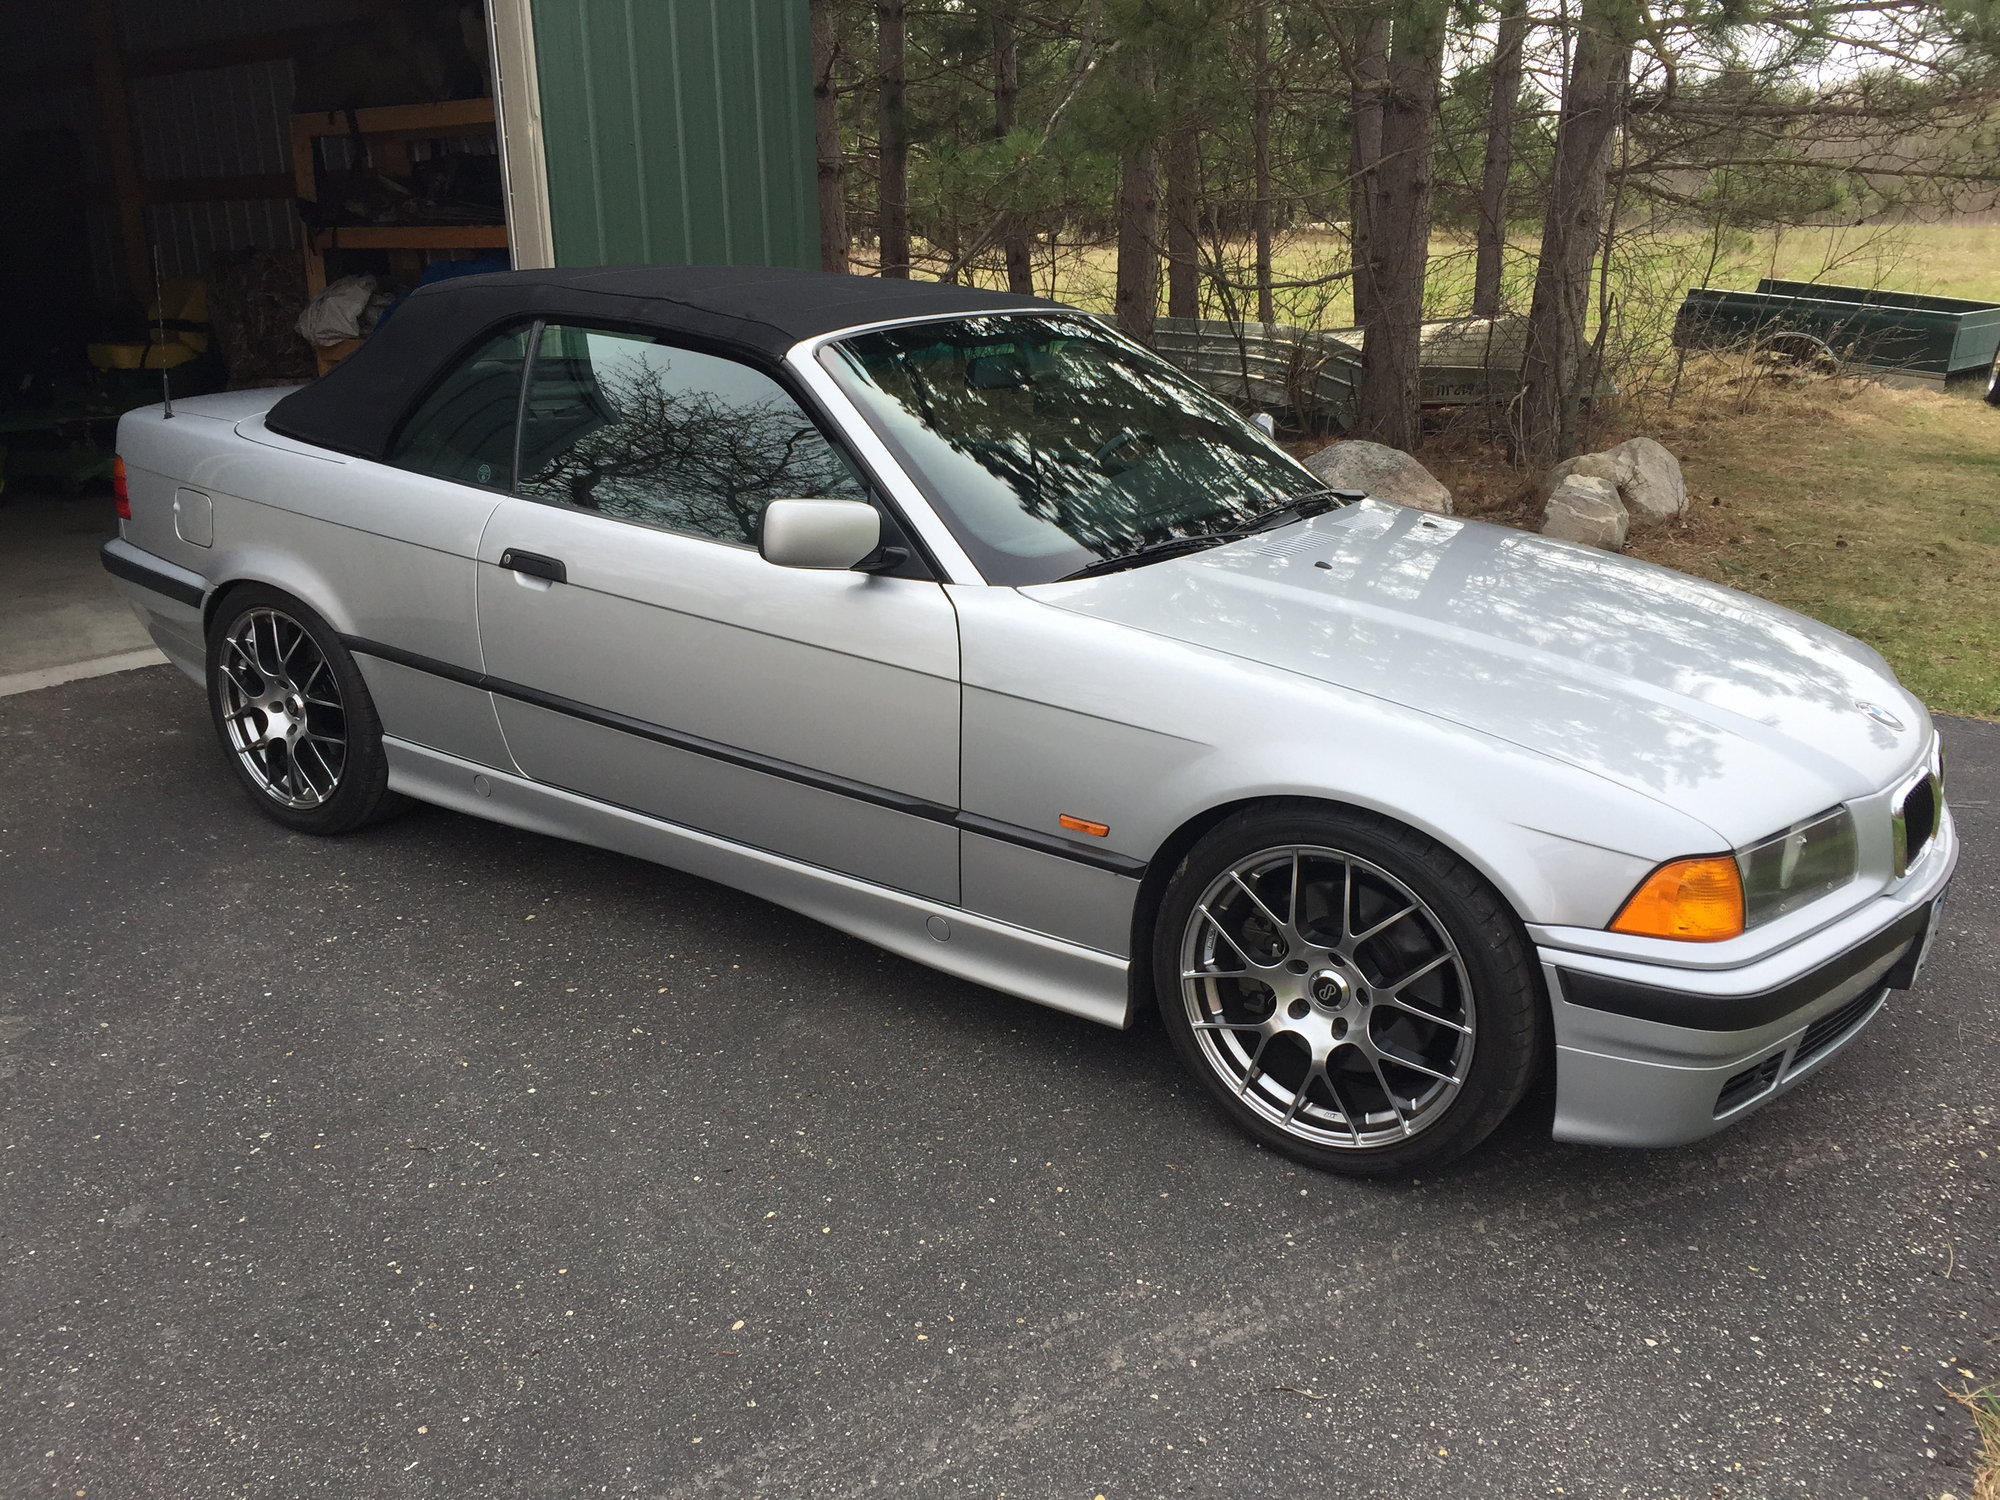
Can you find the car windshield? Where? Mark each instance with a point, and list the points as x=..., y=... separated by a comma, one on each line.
x=1048, y=443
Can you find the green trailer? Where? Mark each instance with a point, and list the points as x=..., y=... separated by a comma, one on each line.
x=1903, y=338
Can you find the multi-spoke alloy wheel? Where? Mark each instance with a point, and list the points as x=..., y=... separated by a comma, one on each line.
x=294, y=714
x=1328, y=995
x=282, y=710
x=1348, y=990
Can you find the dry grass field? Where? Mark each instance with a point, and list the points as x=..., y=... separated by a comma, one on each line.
x=1948, y=260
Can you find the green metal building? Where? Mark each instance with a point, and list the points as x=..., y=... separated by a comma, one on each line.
x=667, y=131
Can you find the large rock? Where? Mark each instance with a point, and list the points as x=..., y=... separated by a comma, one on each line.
x=1584, y=508
x=1386, y=473
x=1646, y=476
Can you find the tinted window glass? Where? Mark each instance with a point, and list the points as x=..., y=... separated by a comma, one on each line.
x=1046, y=443
x=465, y=428
x=629, y=427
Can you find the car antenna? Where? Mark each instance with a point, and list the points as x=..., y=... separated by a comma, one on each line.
x=160, y=326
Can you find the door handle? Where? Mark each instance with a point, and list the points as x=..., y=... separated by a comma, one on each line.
x=535, y=565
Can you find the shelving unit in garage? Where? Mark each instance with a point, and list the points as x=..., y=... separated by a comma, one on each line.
x=386, y=135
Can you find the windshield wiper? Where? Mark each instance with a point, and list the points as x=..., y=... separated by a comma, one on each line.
x=1292, y=508
x=1138, y=557
x=1295, y=508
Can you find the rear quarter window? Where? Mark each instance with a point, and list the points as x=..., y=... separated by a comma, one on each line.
x=464, y=430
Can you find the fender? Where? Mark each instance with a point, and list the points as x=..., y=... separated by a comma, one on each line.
x=1163, y=733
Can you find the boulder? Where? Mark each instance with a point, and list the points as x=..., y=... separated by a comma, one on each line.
x=1654, y=492
x=1385, y=473
x=1646, y=475
x=1584, y=508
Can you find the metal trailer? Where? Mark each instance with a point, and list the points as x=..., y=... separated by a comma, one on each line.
x=1312, y=375
x=1902, y=338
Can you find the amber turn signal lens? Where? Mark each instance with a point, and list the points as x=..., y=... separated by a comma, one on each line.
x=1693, y=900
x=1082, y=825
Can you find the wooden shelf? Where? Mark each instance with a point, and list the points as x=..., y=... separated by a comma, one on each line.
x=413, y=237
x=398, y=119
x=386, y=132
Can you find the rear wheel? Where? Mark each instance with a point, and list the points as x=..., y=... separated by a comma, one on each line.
x=294, y=715
x=1993, y=382
x=1347, y=990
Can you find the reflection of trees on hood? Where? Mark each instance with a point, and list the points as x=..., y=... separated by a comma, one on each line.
x=690, y=459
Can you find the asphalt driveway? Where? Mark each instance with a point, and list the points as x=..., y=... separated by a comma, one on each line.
x=449, y=1161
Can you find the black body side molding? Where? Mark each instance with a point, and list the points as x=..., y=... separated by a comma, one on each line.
x=860, y=791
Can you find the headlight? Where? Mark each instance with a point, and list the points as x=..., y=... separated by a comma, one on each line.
x=1719, y=896
x=1801, y=864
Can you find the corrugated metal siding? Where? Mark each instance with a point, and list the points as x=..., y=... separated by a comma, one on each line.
x=219, y=122
x=216, y=122
x=678, y=133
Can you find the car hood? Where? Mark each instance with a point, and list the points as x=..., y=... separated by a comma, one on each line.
x=1738, y=712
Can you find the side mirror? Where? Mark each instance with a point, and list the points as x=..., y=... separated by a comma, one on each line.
x=1265, y=423
x=827, y=534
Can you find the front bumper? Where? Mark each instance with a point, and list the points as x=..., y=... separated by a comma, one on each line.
x=1648, y=1055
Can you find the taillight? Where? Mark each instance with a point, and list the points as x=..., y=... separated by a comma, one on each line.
x=119, y=492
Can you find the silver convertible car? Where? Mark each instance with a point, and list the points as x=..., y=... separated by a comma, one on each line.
x=960, y=623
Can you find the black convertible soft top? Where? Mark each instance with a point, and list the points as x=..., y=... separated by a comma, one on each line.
x=759, y=312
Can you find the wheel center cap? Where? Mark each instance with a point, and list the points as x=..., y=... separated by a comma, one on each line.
x=1329, y=989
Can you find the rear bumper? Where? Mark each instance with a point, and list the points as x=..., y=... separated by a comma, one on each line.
x=1648, y=1055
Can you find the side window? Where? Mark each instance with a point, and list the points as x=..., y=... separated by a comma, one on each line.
x=629, y=427
x=465, y=428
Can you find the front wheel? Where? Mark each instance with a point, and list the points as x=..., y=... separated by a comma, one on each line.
x=294, y=715
x=1346, y=989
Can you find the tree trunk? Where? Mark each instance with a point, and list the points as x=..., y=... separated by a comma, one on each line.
x=893, y=143
x=1556, y=373
x=826, y=140
x=1260, y=152
x=1006, y=100
x=1501, y=112
x=1399, y=228
x=1183, y=224
x=1136, y=301
x=1364, y=149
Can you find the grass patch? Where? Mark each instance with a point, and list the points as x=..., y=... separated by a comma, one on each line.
x=1942, y=260
x=1984, y=1404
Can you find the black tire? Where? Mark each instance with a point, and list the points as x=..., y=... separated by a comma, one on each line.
x=327, y=788
x=1993, y=383
x=1473, y=1019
